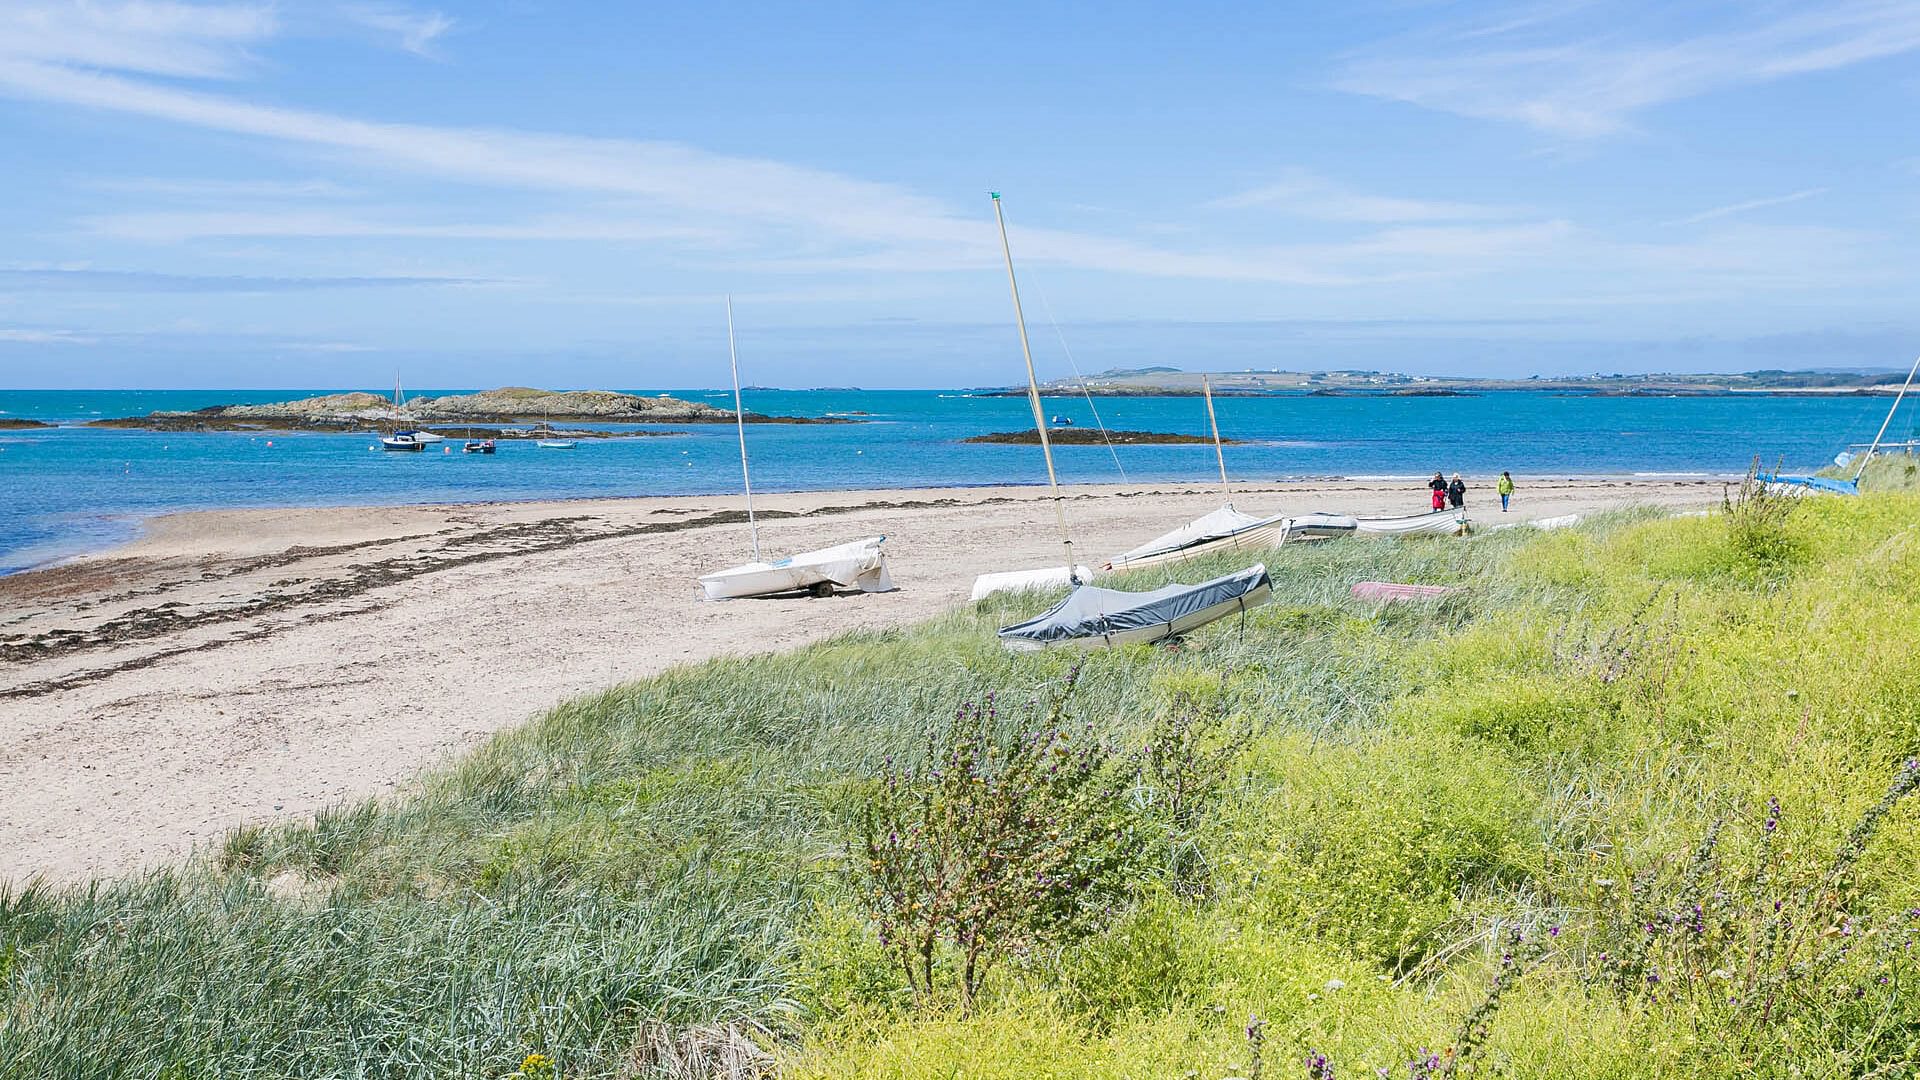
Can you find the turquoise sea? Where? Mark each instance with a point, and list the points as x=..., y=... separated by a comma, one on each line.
x=72, y=488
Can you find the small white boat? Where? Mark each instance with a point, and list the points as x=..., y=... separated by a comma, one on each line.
x=1227, y=529
x=1054, y=577
x=1092, y=617
x=858, y=564
x=1435, y=523
x=556, y=444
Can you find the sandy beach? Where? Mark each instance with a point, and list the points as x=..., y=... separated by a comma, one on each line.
x=242, y=666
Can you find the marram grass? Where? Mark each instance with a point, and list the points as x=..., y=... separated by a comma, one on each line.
x=664, y=863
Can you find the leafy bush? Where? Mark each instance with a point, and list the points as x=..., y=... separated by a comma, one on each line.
x=1000, y=838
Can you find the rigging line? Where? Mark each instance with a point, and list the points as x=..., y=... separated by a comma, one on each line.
x=740, y=425
x=1041, y=292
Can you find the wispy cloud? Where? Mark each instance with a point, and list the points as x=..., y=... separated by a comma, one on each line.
x=414, y=31
x=152, y=37
x=1584, y=70
x=16, y=336
x=1303, y=194
x=171, y=227
x=1751, y=204
x=45, y=279
x=193, y=189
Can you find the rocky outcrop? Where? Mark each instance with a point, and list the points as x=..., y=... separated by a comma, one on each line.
x=507, y=405
x=16, y=423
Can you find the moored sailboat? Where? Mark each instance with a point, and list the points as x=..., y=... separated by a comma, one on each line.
x=401, y=439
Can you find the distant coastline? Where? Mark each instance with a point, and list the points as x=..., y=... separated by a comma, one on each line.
x=1172, y=382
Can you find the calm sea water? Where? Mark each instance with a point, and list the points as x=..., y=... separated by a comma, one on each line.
x=71, y=488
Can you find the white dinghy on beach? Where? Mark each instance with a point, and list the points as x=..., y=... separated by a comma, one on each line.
x=1227, y=529
x=857, y=564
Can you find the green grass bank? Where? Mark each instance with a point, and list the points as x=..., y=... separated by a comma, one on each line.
x=1628, y=804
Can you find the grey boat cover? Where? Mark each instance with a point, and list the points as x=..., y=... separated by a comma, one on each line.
x=1113, y=616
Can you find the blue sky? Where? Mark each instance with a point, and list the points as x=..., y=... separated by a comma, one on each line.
x=324, y=194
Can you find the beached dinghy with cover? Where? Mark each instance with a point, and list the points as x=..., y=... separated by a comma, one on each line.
x=1092, y=617
x=1227, y=529
x=857, y=564
x=1438, y=523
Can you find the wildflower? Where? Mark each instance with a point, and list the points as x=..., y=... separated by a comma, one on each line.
x=1553, y=931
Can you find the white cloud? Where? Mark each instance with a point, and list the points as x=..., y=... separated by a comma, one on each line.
x=225, y=190
x=1303, y=194
x=172, y=227
x=414, y=31
x=152, y=37
x=1583, y=70
x=1751, y=204
x=44, y=337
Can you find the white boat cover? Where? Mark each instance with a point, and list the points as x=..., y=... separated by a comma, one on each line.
x=1437, y=523
x=1091, y=616
x=1227, y=529
x=859, y=563
x=1054, y=577
x=1565, y=521
x=1225, y=523
x=1315, y=526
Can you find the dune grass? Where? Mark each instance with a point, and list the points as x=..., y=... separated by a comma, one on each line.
x=1582, y=739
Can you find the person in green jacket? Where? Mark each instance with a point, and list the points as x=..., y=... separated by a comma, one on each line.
x=1505, y=488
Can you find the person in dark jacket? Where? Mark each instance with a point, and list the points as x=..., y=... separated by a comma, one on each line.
x=1438, y=485
x=1457, y=492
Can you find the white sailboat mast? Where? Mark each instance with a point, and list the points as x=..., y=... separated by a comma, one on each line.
x=740, y=426
x=1033, y=389
x=1206, y=387
x=1882, y=433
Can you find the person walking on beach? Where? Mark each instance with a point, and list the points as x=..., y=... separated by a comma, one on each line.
x=1457, y=492
x=1505, y=488
x=1438, y=485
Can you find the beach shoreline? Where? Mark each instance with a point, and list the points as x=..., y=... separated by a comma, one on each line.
x=230, y=667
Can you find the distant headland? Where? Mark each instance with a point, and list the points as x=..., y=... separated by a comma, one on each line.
x=506, y=405
x=1173, y=382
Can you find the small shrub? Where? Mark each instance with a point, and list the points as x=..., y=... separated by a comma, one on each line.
x=1760, y=524
x=1183, y=768
x=999, y=839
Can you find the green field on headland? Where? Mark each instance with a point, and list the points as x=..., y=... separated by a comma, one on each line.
x=1632, y=802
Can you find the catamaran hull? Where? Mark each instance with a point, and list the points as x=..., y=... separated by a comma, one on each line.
x=860, y=564
x=1091, y=617
x=1441, y=523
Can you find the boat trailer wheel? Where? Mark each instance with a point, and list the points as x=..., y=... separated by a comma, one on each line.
x=820, y=588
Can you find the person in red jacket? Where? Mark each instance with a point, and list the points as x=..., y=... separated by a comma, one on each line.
x=1438, y=485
